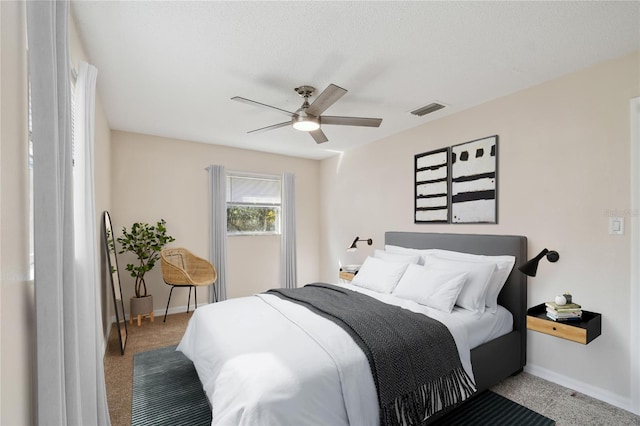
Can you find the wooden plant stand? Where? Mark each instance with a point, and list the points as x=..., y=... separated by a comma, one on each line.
x=141, y=307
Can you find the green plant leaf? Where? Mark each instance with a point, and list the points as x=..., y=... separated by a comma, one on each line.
x=146, y=242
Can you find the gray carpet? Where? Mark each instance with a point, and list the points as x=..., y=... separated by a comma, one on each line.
x=167, y=391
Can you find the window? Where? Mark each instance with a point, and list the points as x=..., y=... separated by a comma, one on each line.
x=253, y=204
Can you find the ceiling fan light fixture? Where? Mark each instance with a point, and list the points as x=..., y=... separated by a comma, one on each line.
x=306, y=124
x=308, y=118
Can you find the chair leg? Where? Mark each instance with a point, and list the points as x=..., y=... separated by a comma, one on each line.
x=195, y=297
x=167, y=310
x=189, y=299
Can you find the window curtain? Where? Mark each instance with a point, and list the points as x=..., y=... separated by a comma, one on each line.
x=218, y=230
x=92, y=384
x=70, y=385
x=288, y=269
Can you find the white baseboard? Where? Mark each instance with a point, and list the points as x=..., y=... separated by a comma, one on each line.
x=584, y=388
x=157, y=313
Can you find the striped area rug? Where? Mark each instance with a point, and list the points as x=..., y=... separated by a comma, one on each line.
x=167, y=392
x=491, y=409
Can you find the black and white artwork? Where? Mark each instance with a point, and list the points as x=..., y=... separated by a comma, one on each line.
x=432, y=187
x=474, y=181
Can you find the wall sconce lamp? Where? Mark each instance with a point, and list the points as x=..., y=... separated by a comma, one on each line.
x=354, y=247
x=531, y=266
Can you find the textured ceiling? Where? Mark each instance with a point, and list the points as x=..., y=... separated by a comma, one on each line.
x=169, y=68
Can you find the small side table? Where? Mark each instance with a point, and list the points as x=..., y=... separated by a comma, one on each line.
x=347, y=276
x=583, y=331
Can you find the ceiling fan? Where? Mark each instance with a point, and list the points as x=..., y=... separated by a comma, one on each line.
x=308, y=117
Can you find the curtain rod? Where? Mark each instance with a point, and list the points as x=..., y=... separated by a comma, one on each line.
x=250, y=174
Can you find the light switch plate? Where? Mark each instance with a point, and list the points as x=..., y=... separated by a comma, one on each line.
x=616, y=225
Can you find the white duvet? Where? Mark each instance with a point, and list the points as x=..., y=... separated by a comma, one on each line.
x=266, y=361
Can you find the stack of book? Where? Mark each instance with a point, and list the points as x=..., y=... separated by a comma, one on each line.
x=566, y=312
x=353, y=269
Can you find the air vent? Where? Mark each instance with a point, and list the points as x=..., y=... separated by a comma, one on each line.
x=428, y=109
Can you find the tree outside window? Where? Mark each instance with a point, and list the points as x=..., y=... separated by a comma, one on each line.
x=253, y=204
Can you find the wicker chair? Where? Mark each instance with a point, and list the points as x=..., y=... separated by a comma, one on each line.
x=181, y=268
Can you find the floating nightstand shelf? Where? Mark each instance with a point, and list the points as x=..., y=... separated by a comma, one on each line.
x=347, y=276
x=583, y=331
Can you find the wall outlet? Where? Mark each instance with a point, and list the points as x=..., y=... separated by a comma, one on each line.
x=616, y=226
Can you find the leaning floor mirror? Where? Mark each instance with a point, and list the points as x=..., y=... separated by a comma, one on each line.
x=112, y=264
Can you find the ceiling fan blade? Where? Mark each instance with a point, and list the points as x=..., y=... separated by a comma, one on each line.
x=250, y=102
x=274, y=126
x=327, y=98
x=319, y=136
x=351, y=121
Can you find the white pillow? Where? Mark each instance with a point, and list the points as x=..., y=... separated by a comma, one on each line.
x=504, y=265
x=431, y=287
x=396, y=257
x=378, y=275
x=409, y=251
x=474, y=292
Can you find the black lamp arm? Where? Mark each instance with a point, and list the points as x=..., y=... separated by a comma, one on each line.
x=354, y=246
x=368, y=240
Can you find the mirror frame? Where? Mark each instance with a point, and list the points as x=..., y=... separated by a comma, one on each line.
x=114, y=274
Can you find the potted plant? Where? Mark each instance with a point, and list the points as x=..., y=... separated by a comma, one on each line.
x=146, y=242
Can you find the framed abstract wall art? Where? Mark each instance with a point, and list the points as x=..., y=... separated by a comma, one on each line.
x=474, y=181
x=432, y=187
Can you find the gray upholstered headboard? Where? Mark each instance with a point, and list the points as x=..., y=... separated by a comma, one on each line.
x=500, y=358
x=514, y=294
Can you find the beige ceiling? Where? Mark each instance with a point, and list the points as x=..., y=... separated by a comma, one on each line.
x=169, y=68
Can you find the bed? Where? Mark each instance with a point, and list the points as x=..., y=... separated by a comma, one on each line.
x=265, y=360
x=507, y=355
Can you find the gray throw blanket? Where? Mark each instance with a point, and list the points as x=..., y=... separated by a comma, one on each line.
x=413, y=358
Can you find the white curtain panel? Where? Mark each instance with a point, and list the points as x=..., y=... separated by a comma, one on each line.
x=92, y=384
x=288, y=269
x=218, y=229
x=63, y=393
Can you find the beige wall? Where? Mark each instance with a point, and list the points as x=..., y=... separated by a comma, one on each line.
x=158, y=178
x=563, y=169
x=16, y=289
